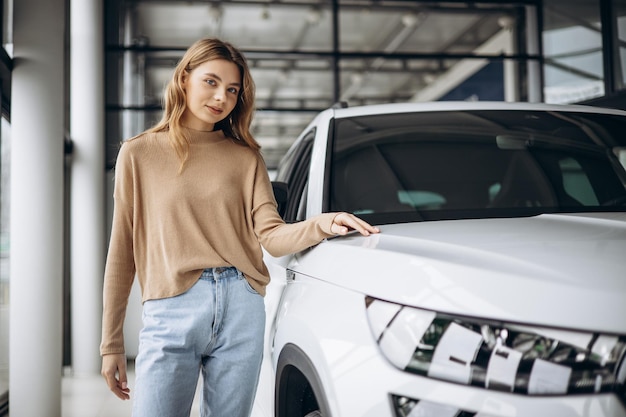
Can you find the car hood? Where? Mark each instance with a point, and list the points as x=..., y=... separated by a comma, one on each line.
x=563, y=270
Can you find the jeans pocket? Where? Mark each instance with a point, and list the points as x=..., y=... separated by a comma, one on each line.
x=249, y=288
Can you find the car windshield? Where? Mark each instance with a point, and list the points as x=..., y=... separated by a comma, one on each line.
x=473, y=164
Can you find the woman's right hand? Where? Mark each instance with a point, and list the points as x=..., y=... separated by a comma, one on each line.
x=114, y=365
x=344, y=222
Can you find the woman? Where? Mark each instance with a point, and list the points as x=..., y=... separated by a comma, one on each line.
x=193, y=206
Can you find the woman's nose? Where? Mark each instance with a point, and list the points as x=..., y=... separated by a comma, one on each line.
x=220, y=94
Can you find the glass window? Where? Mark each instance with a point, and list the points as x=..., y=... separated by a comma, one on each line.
x=295, y=86
x=620, y=153
x=379, y=52
x=572, y=46
x=5, y=200
x=435, y=165
x=426, y=39
x=269, y=26
x=576, y=183
x=7, y=26
x=5, y=250
x=295, y=172
x=420, y=27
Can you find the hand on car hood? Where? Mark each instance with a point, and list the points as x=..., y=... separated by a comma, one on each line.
x=553, y=269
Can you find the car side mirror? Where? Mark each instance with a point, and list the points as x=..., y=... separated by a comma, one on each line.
x=281, y=194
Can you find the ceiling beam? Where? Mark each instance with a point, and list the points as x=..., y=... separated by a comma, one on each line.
x=462, y=70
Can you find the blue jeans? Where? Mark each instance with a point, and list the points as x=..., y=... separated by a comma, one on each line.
x=216, y=328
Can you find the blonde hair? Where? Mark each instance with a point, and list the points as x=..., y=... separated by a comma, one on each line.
x=236, y=125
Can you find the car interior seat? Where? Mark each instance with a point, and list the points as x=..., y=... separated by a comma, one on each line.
x=524, y=184
x=364, y=182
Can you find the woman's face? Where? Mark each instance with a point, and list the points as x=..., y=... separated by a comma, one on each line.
x=212, y=90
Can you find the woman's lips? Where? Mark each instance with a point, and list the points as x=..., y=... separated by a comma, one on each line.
x=215, y=110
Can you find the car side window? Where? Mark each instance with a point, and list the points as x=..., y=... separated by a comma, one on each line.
x=297, y=180
x=301, y=215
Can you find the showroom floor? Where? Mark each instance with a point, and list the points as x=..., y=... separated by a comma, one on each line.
x=84, y=396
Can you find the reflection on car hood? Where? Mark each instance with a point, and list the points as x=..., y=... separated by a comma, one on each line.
x=564, y=270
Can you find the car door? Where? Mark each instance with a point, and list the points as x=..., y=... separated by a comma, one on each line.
x=294, y=173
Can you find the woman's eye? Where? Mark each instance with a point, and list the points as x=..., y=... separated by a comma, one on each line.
x=232, y=90
x=211, y=82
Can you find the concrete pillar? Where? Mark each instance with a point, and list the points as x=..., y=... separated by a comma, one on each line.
x=133, y=81
x=133, y=94
x=88, y=205
x=533, y=35
x=37, y=123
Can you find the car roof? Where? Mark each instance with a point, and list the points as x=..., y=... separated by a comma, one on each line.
x=368, y=110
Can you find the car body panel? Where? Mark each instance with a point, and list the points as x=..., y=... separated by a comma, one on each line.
x=538, y=268
x=561, y=273
x=357, y=378
x=464, y=105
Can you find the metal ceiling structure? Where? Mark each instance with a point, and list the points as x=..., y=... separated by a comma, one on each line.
x=307, y=55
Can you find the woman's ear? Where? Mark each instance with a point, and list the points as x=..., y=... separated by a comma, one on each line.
x=183, y=79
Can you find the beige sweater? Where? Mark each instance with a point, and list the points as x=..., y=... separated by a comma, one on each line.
x=169, y=226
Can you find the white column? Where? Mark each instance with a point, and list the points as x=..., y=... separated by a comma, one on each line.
x=37, y=123
x=88, y=205
x=511, y=74
x=535, y=86
x=133, y=82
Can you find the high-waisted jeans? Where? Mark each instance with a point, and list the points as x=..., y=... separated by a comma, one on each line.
x=215, y=329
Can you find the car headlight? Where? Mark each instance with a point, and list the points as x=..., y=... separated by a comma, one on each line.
x=498, y=356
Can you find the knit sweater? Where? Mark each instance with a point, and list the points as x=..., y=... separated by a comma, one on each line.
x=168, y=225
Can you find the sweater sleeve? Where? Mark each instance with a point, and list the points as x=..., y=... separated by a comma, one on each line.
x=277, y=237
x=120, y=267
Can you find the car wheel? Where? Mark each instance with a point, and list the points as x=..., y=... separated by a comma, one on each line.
x=299, y=391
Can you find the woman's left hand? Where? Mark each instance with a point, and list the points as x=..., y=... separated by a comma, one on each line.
x=344, y=222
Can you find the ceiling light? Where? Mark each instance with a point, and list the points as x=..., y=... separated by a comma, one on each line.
x=265, y=12
x=356, y=78
x=215, y=12
x=314, y=16
x=410, y=19
x=506, y=22
x=429, y=78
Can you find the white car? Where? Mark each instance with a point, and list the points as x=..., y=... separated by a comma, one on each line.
x=497, y=286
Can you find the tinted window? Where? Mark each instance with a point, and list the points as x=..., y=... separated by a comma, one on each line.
x=294, y=170
x=477, y=164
